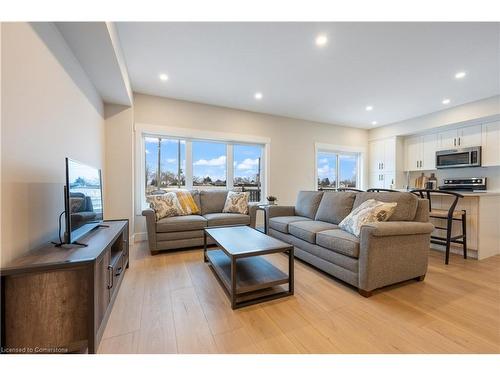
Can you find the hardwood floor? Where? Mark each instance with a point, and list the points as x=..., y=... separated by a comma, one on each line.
x=172, y=303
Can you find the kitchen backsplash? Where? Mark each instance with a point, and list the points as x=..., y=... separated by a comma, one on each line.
x=492, y=173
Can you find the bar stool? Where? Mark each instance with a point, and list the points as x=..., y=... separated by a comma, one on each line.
x=449, y=215
x=378, y=190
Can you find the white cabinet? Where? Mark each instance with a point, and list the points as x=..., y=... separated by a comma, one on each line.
x=420, y=152
x=377, y=151
x=383, y=180
x=491, y=144
x=468, y=136
x=413, y=153
x=383, y=160
x=447, y=139
x=429, y=148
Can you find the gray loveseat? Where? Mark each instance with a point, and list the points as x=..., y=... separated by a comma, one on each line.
x=187, y=231
x=385, y=252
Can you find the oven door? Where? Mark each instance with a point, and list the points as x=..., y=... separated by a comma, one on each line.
x=459, y=158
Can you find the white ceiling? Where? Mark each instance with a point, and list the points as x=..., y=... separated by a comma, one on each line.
x=404, y=70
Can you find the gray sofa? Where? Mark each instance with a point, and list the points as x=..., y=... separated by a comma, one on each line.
x=187, y=231
x=385, y=252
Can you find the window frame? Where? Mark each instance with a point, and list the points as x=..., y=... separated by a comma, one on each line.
x=359, y=152
x=190, y=135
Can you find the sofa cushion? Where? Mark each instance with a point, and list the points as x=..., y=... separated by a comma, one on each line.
x=339, y=241
x=306, y=230
x=405, y=210
x=307, y=203
x=218, y=219
x=335, y=206
x=181, y=223
x=236, y=202
x=280, y=223
x=212, y=201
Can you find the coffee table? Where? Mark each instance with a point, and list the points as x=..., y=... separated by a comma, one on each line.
x=239, y=264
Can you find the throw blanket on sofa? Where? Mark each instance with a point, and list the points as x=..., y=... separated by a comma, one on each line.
x=187, y=202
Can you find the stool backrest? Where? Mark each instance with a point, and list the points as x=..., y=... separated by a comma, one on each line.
x=350, y=189
x=427, y=194
x=377, y=190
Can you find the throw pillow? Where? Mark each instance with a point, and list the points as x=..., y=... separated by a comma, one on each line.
x=187, y=202
x=368, y=212
x=236, y=203
x=165, y=205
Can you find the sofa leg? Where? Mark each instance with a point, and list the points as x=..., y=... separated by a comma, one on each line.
x=154, y=252
x=420, y=278
x=365, y=293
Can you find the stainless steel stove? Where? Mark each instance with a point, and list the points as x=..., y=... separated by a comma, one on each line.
x=467, y=184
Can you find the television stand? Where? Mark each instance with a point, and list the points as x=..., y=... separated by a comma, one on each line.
x=72, y=287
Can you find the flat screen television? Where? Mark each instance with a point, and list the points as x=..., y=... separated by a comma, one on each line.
x=83, y=200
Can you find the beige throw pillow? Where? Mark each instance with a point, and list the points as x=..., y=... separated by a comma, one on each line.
x=165, y=205
x=236, y=203
x=367, y=212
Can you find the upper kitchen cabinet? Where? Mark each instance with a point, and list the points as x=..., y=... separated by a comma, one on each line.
x=420, y=152
x=468, y=136
x=491, y=144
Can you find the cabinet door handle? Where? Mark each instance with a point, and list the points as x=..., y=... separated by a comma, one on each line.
x=459, y=141
x=110, y=275
x=382, y=165
x=454, y=141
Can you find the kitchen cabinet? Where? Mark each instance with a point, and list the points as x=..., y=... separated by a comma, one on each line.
x=383, y=162
x=383, y=180
x=420, y=152
x=491, y=144
x=467, y=136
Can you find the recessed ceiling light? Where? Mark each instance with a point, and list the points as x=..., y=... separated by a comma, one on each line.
x=163, y=77
x=374, y=122
x=369, y=107
x=321, y=40
x=446, y=101
x=460, y=75
x=258, y=95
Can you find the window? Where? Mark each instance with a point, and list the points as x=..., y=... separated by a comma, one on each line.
x=165, y=162
x=209, y=163
x=336, y=170
x=171, y=163
x=247, y=164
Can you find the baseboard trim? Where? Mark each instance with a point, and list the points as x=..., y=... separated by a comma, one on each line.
x=140, y=237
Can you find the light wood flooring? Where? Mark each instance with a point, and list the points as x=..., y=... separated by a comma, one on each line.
x=172, y=303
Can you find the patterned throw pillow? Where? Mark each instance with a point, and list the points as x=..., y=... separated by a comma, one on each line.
x=236, y=203
x=165, y=205
x=367, y=212
x=187, y=202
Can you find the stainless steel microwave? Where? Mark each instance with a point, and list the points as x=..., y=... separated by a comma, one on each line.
x=459, y=158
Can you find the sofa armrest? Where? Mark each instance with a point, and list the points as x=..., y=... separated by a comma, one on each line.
x=398, y=228
x=252, y=212
x=151, y=227
x=274, y=211
x=391, y=252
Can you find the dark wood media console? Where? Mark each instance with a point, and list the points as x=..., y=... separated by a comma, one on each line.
x=58, y=300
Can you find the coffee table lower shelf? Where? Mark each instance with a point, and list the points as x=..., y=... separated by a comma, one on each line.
x=256, y=279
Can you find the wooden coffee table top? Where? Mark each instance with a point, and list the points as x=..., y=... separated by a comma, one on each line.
x=243, y=241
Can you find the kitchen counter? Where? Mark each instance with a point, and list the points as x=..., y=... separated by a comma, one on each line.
x=474, y=193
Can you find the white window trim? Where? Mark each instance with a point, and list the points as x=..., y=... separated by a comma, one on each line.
x=341, y=149
x=142, y=130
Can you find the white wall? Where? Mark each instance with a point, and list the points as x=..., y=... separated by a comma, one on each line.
x=119, y=182
x=292, y=141
x=50, y=110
